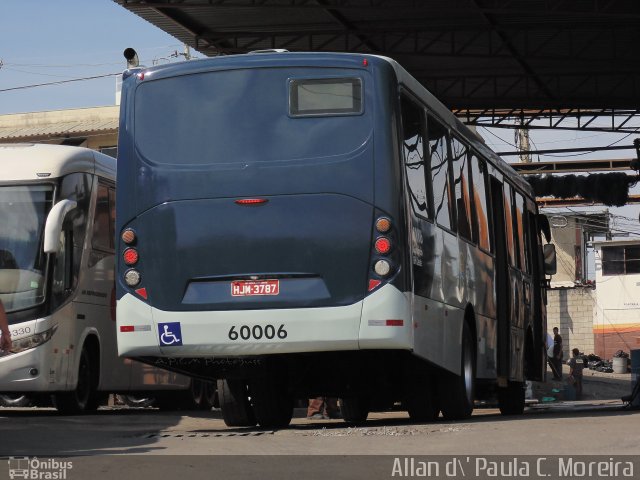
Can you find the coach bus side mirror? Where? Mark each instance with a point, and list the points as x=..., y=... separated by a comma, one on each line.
x=550, y=263
x=53, y=225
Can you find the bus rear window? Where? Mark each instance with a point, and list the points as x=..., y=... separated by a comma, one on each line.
x=325, y=96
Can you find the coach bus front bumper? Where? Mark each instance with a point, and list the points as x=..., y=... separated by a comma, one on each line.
x=381, y=321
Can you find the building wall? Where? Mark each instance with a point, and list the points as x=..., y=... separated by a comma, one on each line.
x=616, y=324
x=572, y=311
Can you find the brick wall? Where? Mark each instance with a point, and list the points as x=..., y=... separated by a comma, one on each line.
x=572, y=311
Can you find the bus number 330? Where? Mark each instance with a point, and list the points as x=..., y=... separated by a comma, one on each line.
x=257, y=332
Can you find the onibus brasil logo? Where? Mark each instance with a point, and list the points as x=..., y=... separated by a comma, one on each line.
x=36, y=469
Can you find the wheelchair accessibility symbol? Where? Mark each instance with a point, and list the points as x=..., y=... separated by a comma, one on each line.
x=170, y=334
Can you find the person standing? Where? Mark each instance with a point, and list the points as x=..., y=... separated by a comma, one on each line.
x=557, y=354
x=323, y=408
x=5, y=338
x=576, y=366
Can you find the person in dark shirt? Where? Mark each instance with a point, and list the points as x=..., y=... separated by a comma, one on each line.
x=576, y=366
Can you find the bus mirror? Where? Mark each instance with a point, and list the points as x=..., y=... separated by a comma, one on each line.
x=550, y=264
x=53, y=225
x=543, y=225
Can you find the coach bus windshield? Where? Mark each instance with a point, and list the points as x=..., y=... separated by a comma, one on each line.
x=23, y=211
x=248, y=116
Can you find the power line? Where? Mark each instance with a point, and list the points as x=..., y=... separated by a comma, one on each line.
x=60, y=82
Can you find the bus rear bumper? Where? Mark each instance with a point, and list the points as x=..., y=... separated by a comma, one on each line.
x=380, y=321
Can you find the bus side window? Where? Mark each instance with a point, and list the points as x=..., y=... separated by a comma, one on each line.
x=413, y=130
x=102, y=229
x=76, y=186
x=509, y=225
x=520, y=236
x=478, y=189
x=439, y=166
x=459, y=153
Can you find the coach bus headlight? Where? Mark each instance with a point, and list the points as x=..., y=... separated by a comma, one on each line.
x=33, y=341
x=382, y=268
x=132, y=277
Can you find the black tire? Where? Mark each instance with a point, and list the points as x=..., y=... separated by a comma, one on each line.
x=272, y=404
x=234, y=402
x=85, y=396
x=511, y=399
x=457, y=392
x=355, y=410
x=421, y=399
x=15, y=400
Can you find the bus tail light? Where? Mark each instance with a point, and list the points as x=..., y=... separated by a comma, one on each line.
x=382, y=255
x=383, y=225
x=130, y=256
x=132, y=277
x=128, y=236
x=383, y=245
x=382, y=268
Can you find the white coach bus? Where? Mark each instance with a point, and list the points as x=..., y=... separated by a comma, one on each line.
x=57, y=208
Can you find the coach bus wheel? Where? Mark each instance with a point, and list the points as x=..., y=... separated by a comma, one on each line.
x=84, y=398
x=234, y=402
x=272, y=404
x=511, y=399
x=355, y=409
x=421, y=400
x=15, y=400
x=457, y=392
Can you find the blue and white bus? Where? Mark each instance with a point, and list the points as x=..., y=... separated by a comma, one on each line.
x=304, y=224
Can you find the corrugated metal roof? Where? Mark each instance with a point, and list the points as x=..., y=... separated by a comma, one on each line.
x=469, y=53
x=62, y=129
x=59, y=124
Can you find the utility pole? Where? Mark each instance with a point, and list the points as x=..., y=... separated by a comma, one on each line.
x=522, y=142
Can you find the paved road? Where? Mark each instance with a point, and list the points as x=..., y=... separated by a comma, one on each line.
x=561, y=429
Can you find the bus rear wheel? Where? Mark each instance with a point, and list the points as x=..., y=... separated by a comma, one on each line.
x=272, y=404
x=457, y=392
x=85, y=396
x=234, y=402
x=511, y=399
x=355, y=410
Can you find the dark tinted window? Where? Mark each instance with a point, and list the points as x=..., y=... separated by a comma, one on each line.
x=236, y=117
x=479, y=219
x=632, y=259
x=102, y=238
x=413, y=129
x=509, y=225
x=519, y=231
x=620, y=260
x=327, y=96
x=459, y=153
x=612, y=260
x=439, y=166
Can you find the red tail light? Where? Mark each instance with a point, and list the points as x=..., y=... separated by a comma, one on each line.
x=251, y=201
x=130, y=256
x=383, y=245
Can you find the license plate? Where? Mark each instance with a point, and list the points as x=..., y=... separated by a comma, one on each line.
x=249, y=288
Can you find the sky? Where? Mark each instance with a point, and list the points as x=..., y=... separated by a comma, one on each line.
x=44, y=41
